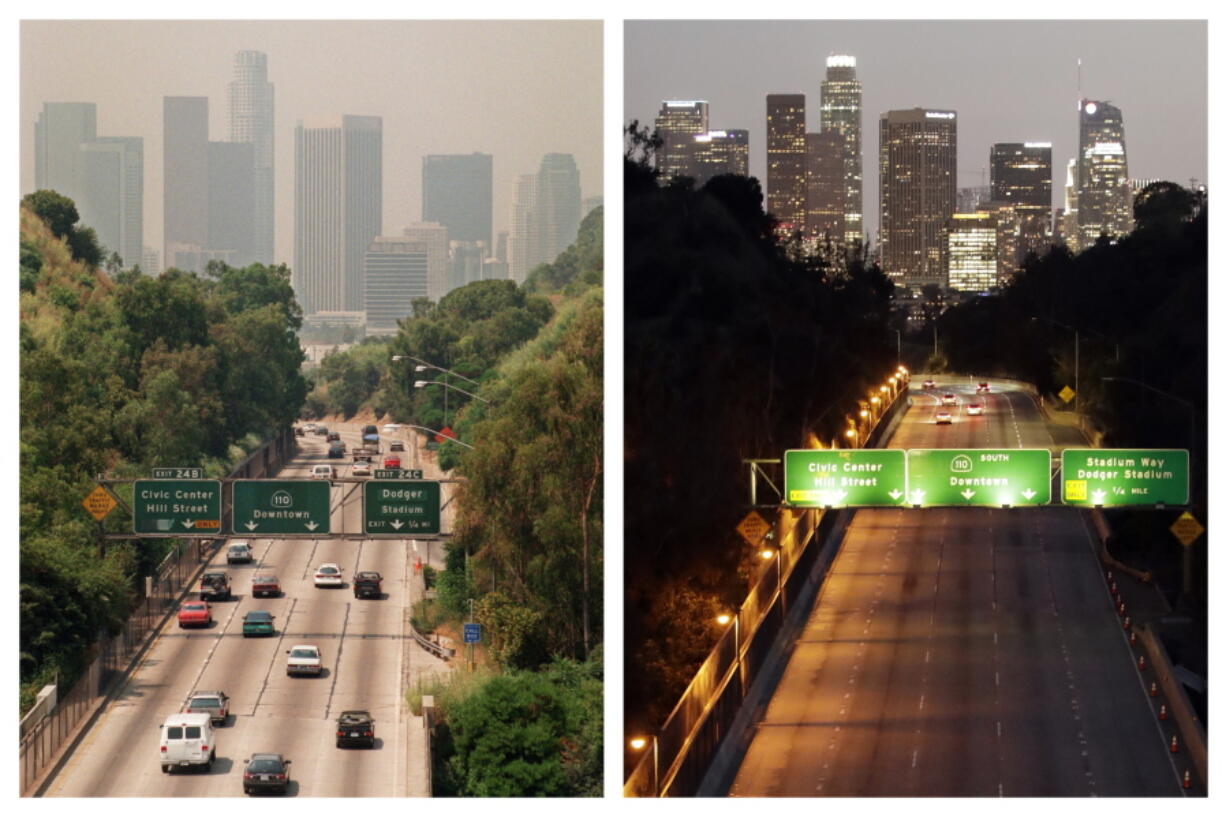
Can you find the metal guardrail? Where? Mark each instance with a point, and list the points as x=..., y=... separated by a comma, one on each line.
x=445, y=653
x=40, y=745
x=678, y=757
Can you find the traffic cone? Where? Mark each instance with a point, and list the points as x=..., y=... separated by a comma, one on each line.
x=1162, y=712
x=1174, y=744
x=1132, y=637
x=1122, y=608
x=1115, y=591
x=1141, y=662
x=1153, y=687
x=1110, y=576
x=1127, y=622
x=1187, y=780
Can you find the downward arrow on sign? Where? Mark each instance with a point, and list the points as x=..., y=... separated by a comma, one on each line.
x=251, y=526
x=188, y=523
x=895, y=494
x=1029, y=494
x=397, y=524
x=968, y=493
x=311, y=526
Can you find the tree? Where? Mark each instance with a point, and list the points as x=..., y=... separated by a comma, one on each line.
x=58, y=212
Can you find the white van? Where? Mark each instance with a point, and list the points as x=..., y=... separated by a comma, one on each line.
x=188, y=740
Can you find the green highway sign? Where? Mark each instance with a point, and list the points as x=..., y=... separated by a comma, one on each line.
x=183, y=506
x=401, y=508
x=844, y=477
x=1123, y=476
x=275, y=507
x=992, y=477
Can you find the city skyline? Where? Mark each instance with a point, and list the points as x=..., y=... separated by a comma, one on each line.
x=376, y=68
x=1155, y=71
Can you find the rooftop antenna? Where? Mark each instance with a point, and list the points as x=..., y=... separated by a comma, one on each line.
x=1079, y=77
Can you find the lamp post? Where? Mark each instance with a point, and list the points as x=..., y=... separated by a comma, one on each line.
x=421, y=384
x=433, y=431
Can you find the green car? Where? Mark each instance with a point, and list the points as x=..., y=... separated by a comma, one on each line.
x=258, y=622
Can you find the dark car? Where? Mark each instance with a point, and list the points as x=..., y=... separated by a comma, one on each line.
x=266, y=772
x=214, y=585
x=355, y=726
x=299, y=431
x=333, y=436
x=336, y=450
x=367, y=584
x=322, y=431
x=258, y=622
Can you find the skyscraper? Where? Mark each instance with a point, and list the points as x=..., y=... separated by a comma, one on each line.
x=523, y=250
x=972, y=252
x=1104, y=206
x=232, y=201
x=185, y=175
x=1021, y=177
x=396, y=271
x=718, y=152
x=840, y=113
x=918, y=164
x=557, y=203
x=458, y=192
x=338, y=210
x=112, y=193
x=436, y=238
x=61, y=128
x=251, y=120
x=677, y=121
x=785, y=159
x=825, y=176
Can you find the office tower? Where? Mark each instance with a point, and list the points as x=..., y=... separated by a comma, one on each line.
x=251, y=120
x=918, y=165
x=110, y=194
x=676, y=123
x=718, y=152
x=437, y=241
x=458, y=192
x=232, y=201
x=972, y=252
x=1009, y=239
x=523, y=251
x=1104, y=206
x=59, y=131
x=396, y=273
x=500, y=245
x=825, y=176
x=785, y=160
x=972, y=199
x=1068, y=221
x=466, y=261
x=185, y=172
x=494, y=269
x=149, y=261
x=338, y=210
x=1021, y=176
x=841, y=114
x=557, y=204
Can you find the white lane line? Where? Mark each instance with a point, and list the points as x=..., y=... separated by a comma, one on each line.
x=914, y=758
x=921, y=706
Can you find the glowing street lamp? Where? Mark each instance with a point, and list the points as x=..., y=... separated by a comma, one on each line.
x=637, y=743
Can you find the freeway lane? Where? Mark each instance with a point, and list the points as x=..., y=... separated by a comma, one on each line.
x=365, y=651
x=961, y=652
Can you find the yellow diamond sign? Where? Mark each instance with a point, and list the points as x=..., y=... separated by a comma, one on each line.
x=1186, y=529
x=752, y=528
x=1067, y=394
x=99, y=503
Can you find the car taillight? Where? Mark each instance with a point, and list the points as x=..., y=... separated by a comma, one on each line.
x=340, y=734
x=248, y=776
x=163, y=748
x=204, y=748
x=279, y=776
x=369, y=733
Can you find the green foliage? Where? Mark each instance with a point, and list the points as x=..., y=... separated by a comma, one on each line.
x=525, y=734
x=579, y=267
x=119, y=375
x=58, y=212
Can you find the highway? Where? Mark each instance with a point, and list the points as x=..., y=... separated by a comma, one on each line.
x=367, y=655
x=961, y=652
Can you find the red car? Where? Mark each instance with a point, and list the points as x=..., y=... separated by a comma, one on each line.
x=196, y=614
x=391, y=462
x=265, y=584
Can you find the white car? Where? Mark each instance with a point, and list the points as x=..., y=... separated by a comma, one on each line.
x=948, y=399
x=187, y=740
x=391, y=428
x=304, y=659
x=943, y=417
x=974, y=408
x=239, y=551
x=360, y=469
x=322, y=472
x=328, y=574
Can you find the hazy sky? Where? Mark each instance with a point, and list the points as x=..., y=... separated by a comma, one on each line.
x=516, y=90
x=1009, y=81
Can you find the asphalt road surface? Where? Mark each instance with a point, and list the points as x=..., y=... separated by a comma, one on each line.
x=961, y=651
x=366, y=655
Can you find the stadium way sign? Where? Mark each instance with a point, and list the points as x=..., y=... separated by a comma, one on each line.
x=845, y=477
x=1107, y=477
x=989, y=477
x=268, y=507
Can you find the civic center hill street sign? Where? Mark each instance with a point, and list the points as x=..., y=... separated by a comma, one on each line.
x=182, y=506
x=844, y=477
